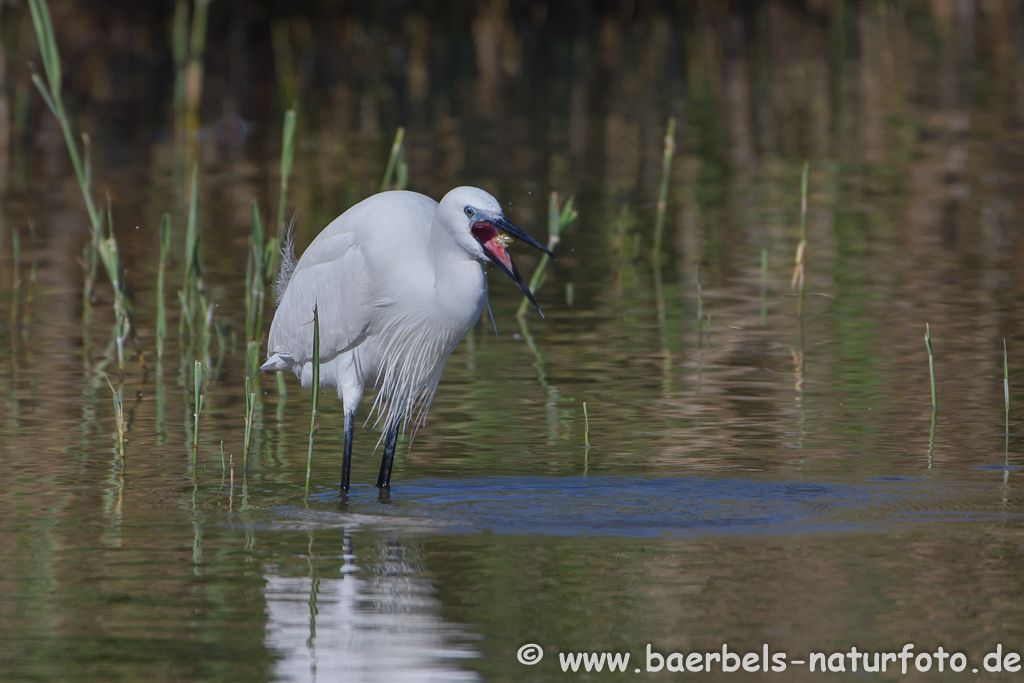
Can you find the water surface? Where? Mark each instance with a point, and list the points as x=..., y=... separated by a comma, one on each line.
x=756, y=476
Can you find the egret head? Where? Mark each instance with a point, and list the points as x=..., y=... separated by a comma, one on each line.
x=475, y=218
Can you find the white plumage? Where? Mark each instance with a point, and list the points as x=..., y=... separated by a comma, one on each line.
x=397, y=281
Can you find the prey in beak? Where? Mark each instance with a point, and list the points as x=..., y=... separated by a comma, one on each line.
x=485, y=230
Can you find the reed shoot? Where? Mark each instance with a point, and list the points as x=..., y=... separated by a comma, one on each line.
x=666, y=169
x=931, y=361
x=51, y=92
x=700, y=310
x=50, y=89
x=193, y=77
x=764, y=287
x=33, y=276
x=255, y=278
x=1006, y=395
x=179, y=47
x=558, y=221
x=586, y=439
x=161, y=276
x=799, y=270
x=124, y=328
x=287, y=153
x=931, y=439
x=192, y=296
x=192, y=269
x=119, y=417
x=90, y=263
x=198, y=385
x=250, y=409
x=197, y=310
x=396, y=170
x=586, y=427
x=16, y=279
x=16, y=257
x=314, y=396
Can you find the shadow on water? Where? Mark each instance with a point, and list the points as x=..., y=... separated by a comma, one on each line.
x=672, y=507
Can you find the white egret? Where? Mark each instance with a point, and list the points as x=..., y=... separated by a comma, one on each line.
x=398, y=281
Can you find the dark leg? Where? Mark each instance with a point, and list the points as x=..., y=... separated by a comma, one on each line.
x=346, y=463
x=390, y=440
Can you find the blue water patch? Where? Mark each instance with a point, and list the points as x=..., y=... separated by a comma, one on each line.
x=636, y=507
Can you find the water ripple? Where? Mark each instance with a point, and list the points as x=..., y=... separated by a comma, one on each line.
x=636, y=507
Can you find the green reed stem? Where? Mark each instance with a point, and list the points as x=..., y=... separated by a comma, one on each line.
x=287, y=153
x=256, y=279
x=764, y=287
x=252, y=359
x=16, y=274
x=586, y=426
x=161, y=276
x=931, y=361
x=666, y=169
x=33, y=277
x=197, y=313
x=192, y=269
x=1006, y=397
x=179, y=48
x=250, y=409
x=185, y=319
x=700, y=309
x=51, y=92
x=90, y=259
x=396, y=168
x=197, y=39
x=800, y=269
x=198, y=385
x=90, y=254
x=50, y=89
x=803, y=201
x=119, y=417
x=315, y=396
x=284, y=62
x=205, y=338
x=282, y=393
x=124, y=328
x=558, y=221
x=193, y=81
x=931, y=439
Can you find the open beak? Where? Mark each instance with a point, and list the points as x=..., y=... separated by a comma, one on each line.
x=486, y=233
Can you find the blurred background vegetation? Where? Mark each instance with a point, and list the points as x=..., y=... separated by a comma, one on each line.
x=909, y=113
x=546, y=92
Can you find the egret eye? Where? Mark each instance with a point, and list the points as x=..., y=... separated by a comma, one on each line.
x=469, y=212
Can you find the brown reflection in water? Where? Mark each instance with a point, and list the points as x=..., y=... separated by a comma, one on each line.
x=815, y=593
x=909, y=114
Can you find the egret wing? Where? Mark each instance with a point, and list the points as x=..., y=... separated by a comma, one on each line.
x=332, y=278
x=344, y=272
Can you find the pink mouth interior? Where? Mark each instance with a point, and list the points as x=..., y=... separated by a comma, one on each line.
x=487, y=235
